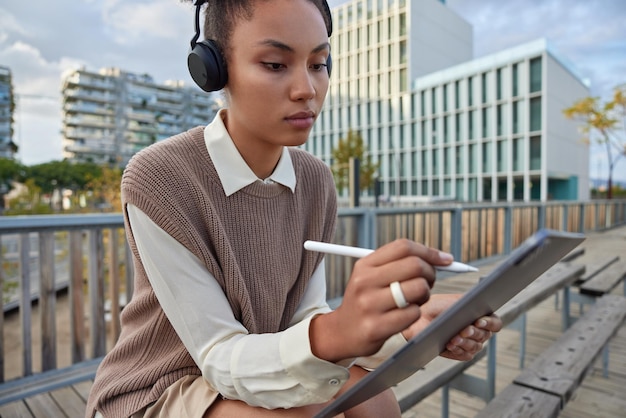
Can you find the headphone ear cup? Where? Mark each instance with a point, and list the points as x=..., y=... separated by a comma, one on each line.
x=329, y=64
x=207, y=66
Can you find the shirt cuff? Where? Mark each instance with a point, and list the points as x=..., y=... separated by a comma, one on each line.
x=321, y=378
x=393, y=344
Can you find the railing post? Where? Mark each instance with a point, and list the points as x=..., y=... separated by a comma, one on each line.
x=114, y=283
x=367, y=229
x=77, y=312
x=581, y=219
x=456, y=232
x=542, y=215
x=96, y=294
x=47, y=301
x=25, y=306
x=508, y=210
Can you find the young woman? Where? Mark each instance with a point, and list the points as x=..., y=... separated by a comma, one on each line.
x=228, y=316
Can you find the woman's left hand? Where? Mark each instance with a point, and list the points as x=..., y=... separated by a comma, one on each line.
x=467, y=343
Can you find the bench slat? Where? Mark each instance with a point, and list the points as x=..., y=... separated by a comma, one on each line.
x=561, y=368
x=517, y=401
x=605, y=281
x=595, y=266
x=433, y=376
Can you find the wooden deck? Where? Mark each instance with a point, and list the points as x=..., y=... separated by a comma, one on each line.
x=597, y=396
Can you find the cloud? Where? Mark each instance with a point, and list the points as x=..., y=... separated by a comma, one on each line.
x=9, y=23
x=140, y=22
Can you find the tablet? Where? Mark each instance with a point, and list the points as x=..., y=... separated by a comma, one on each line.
x=526, y=263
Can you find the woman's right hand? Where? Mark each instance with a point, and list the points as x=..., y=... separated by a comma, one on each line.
x=368, y=315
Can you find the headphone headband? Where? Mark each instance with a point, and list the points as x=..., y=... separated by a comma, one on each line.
x=206, y=63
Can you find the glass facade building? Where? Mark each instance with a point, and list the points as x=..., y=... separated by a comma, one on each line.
x=443, y=125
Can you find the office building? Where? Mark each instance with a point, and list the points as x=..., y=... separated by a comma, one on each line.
x=8, y=147
x=109, y=115
x=442, y=124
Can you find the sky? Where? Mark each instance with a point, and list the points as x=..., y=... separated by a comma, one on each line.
x=40, y=40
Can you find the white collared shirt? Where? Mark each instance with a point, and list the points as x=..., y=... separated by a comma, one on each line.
x=268, y=370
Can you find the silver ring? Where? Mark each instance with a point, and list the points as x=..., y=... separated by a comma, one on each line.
x=398, y=295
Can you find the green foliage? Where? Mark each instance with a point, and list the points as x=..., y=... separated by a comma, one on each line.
x=91, y=187
x=62, y=175
x=352, y=147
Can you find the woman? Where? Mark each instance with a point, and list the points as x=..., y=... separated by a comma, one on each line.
x=228, y=316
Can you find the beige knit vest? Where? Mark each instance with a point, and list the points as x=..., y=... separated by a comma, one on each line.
x=251, y=242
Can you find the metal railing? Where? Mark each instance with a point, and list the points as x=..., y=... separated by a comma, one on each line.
x=86, y=257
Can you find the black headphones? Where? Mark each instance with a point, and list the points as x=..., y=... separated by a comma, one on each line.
x=206, y=63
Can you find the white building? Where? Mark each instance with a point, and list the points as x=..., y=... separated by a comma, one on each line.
x=110, y=115
x=444, y=125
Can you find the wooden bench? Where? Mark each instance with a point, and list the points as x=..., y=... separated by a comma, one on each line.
x=439, y=373
x=449, y=374
x=545, y=387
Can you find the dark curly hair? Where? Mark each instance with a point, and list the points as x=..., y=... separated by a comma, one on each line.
x=220, y=17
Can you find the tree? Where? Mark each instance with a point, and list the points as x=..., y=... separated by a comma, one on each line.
x=608, y=120
x=9, y=172
x=352, y=147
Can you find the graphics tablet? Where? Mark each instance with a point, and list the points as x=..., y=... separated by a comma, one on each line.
x=526, y=263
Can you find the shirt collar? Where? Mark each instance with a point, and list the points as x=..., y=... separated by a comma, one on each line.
x=232, y=169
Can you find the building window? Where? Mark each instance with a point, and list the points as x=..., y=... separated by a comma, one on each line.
x=501, y=156
x=446, y=129
x=470, y=92
x=485, y=124
x=472, y=189
x=472, y=158
x=435, y=161
x=423, y=103
x=535, y=153
x=402, y=24
x=457, y=98
x=484, y=87
x=518, y=154
x=486, y=157
x=499, y=84
x=445, y=97
x=424, y=164
x=423, y=132
x=457, y=125
x=471, y=124
x=535, y=114
x=515, y=117
x=447, y=164
x=535, y=75
x=459, y=190
x=433, y=100
x=514, y=80
x=459, y=159
x=500, y=120
x=404, y=80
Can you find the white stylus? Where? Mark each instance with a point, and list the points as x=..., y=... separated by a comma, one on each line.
x=327, y=248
